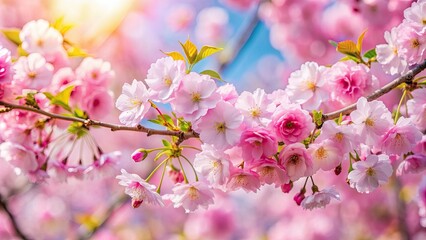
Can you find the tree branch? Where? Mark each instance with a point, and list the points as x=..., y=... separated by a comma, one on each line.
x=18, y=231
x=90, y=122
x=406, y=78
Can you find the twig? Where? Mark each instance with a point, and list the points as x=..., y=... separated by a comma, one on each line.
x=18, y=231
x=113, y=127
x=406, y=78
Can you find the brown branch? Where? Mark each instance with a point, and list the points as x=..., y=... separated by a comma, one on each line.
x=406, y=78
x=113, y=127
x=18, y=231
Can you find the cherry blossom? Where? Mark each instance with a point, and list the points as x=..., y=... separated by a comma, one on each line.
x=39, y=37
x=256, y=143
x=296, y=161
x=400, y=138
x=254, y=107
x=191, y=196
x=320, y=199
x=213, y=165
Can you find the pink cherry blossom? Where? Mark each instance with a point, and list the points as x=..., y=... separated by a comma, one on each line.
x=196, y=95
x=32, y=72
x=417, y=108
x=191, y=196
x=62, y=78
x=390, y=56
x=228, y=93
x=139, y=155
x=299, y=197
x=256, y=143
x=39, y=37
x=415, y=163
x=369, y=174
x=98, y=103
x=19, y=156
x=96, y=72
x=307, y=86
x=133, y=102
x=291, y=124
x=104, y=166
x=213, y=165
x=372, y=120
x=254, y=107
x=221, y=126
x=175, y=175
x=416, y=13
x=270, y=172
x=412, y=42
x=164, y=78
x=400, y=138
x=325, y=155
x=286, y=188
x=139, y=190
x=5, y=65
x=245, y=179
x=320, y=199
x=342, y=136
x=296, y=161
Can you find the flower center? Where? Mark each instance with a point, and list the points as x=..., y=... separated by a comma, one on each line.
x=415, y=43
x=220, y=127
x=294, y=159
x=369, y=122
x=193, y=193
x=370, y=172
x=168, y=81
x=339, y=136
x=424, y=21
x=136, y=102
x=289, y=125
x=32, y=75
x=255, y=112
x=311, y=86
x=40, y=42
x=321, y=153
x=196, y=97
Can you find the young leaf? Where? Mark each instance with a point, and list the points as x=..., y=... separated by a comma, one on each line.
x=184, y=125
x=74, y=51
x=62, y=98
x=77, y=129
x=317, y=116
x=190, y=50
x=175, y=55
x=12, y=34
x=65, y=94
x=61, y=26
x=348, y=47
x=332, y=43
x=207, y=51
x=212, y=74
x=370, y=53
x=360, y=39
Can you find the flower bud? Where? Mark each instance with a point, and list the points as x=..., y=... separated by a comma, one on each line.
x=298, y=198
x=139, y=155
x=338, y=169
x=176, y=175
x=286, y=188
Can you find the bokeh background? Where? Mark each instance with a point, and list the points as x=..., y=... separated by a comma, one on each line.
x=263, y=41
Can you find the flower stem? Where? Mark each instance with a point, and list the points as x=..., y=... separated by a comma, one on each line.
x=156, y=169
x=161, y=180
x=183, y=171
x=192, y=166
x=398, y=109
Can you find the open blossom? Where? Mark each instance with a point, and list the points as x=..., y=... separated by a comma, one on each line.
x=98, y=103
x=291, y=124
x=369, y=174
x=256, y=143
x=412, y=42
x=412, y=164
x=138, y=189
x=296, y=161
x=164, y=78
x=325, y=155
x=400, y=138
x=342, y=136
x=191, y=196
x=270, y=172
x=212, y=164
x=221, y=126
x=307, y=86
x=133, y=102
x=106, y=165
x=39, y=37
x=372, y=120
x=320, y=199
x=417, y=108
x=416, y=13
x=5, y=65
x=247, y=180
x=18, y=156
x=196, y=95
x=390, y=56
x=228, y=93
x=32, y=72
x=93, y=71
x=349, y=81
x=254, y=107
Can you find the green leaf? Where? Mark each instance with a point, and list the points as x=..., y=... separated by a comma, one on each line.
x=332, y=43
x=159, y=154
x=166, y=143
x=22, y=52
x=169, y=119
x=370, y=53
x=212, y=74
x=77, y=129
x=184, y=125
x=61, y=26
x=75, y=51
x=360, y=39
x=62, y=98
x=30, y=100
x=190, y=50
x=80, y=113
x=317, y=116
x=207, y=51
x=12, y=34
x=175, y=55
x=347, y=57
x=349, y=48
x=155, y=121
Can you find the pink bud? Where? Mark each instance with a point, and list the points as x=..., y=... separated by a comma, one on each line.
x=299, y=197
x=176, y=176
x=136, y=203
x=286, y=188
x=139, y=155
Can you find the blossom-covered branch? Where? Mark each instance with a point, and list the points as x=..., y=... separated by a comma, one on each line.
x=406, y=78
x=113, y=127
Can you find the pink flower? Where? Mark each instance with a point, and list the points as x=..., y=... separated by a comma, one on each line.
x=257, y=143
x=400, y=138
x=176, y=175
x=390, y=56
x=320, y=199
x=38, y=37
x=270, y=172
x=213, y=165
x=62, y=78
x=191, y=196
x=138, y=189
x=417, y=108
x=228, y=93
x=98, y=103
x=349, y=81
x=307, y=86
x=254, y=107
x=372, y=120
x=296, y=161
x=212, y=23
x=286, y=188
x=139, y=154
x=416, y=13
x=247, y=180
x=291, y=124
x=5, y=65
x=196, y=95
x=164, y=78
x=342, y=136
x=95, y=72
x=412, y=164
x=369, y=174
x=412, y=42
x=18, y=156
x=32, y=72
x=299, y=197
x=221, y=126
x=106, y=165
x=325, y=155
x=133, y=102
